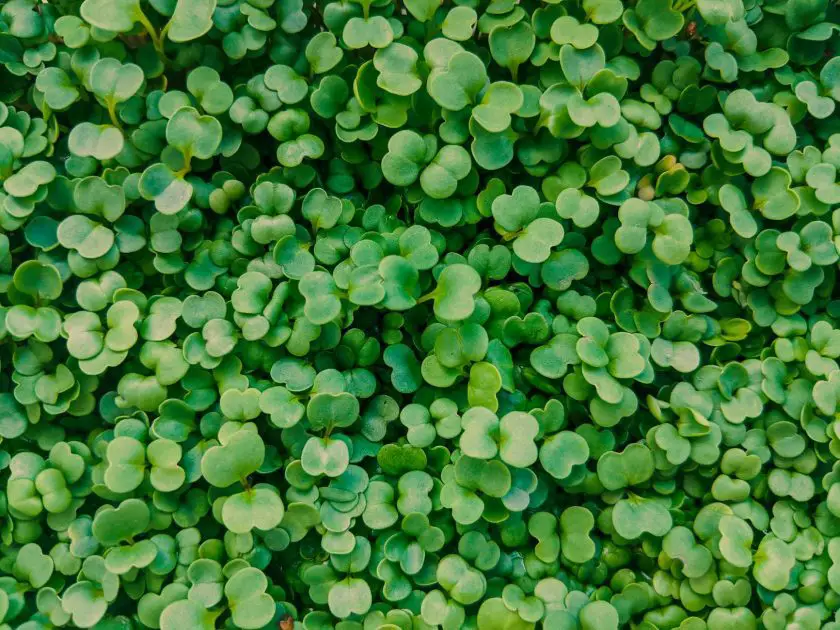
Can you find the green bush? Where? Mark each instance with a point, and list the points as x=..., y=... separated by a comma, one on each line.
x=381, y=315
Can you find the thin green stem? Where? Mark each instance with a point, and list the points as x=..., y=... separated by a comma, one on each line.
x=163, y=33
x=186, y=168
x=112, y=114
x=150, y=29
x=182, y=172
x=157, y=39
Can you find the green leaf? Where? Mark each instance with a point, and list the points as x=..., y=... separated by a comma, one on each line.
x=190, y=20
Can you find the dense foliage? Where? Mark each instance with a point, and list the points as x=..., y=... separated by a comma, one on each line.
x=381, y=315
